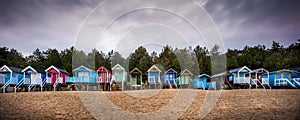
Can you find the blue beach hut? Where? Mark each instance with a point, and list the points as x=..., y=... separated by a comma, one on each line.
x=170, y=78
x=10, y=76
x=82, y=75
x=200, y=81
x=240, y=76
x=154, y=74
x=282, y=78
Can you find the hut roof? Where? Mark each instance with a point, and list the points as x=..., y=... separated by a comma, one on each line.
x=11, y=69
x=118, y=66
x=34, y=69
x=186, y=71
x=222, y=74
x=258, y=70
x=83, y=68
x=204, y=75
x=102, y=68
x=171, y=70
x=285, y=70
x=57, y=69
x=154, y=68
x=134, y=70
x=239, y=69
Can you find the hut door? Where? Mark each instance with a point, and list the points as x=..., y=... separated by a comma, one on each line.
x=2, y=78
x=171, y=79
x=104, y=77
x=54, y=76
x=118, y=76
x=134, y=79
x=32, y=78
x=39, y=78
x=7, y=77
x=152, y=77
x=138, y=80
x=186, y=79
x=181, y=79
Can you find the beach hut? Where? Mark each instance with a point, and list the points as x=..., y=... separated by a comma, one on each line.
x=136, y=78
x=222, y=80
x=83, y=76
x=31, y=78
x=104, y=78
x=257, y=78
x=241, y=76
x=119, y=76
x=154, y=76
x=55, y=76
x=200, y=81
x=282, y=78
x=185, y=78
x=10, y=76
x=170, y=78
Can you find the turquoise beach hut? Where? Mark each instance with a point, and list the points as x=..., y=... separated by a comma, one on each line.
x=185, y=78
x=119, y=75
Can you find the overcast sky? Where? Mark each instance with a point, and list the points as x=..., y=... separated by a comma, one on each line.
x=30, y=24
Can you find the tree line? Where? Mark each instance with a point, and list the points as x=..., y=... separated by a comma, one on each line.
x=197, y=60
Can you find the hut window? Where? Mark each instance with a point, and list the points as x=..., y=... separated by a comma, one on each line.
x=83, y=74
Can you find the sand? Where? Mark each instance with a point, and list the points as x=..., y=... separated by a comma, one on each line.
x=232, y=104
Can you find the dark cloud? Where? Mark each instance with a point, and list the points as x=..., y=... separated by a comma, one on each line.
x=55, y=23
x=14, y=12
x=255, y=22
x=40, y=23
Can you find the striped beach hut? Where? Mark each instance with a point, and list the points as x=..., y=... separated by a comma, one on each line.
x=104, y=78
